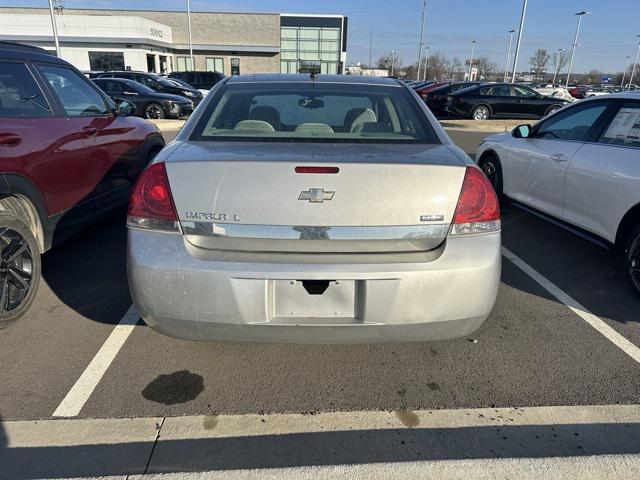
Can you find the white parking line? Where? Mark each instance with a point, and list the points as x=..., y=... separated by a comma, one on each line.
x=601, y=326
x=83, y=388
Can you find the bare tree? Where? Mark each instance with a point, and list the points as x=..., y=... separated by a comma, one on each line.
x=539, y=61
x=454, y=68
x=487, y=70
x=436, y=66
x=594, y=77
x=410, y=71
x=559, y=60
x=384, y=62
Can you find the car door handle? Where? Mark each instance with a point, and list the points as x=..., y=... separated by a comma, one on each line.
x=10, y=140
x=558, y=157
x=90, y=131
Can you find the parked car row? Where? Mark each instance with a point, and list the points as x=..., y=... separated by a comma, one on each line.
x=482, y=100
x=156, y=96
x=149, y=103
x=68, y=154
x=488, y=100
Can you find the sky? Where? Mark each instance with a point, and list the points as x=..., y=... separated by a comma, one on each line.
x=606, y=37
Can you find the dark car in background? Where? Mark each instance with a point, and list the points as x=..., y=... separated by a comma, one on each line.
x=93, y=73
x=199, y=80
x=158, y=83
x=421, y=84
x=502, y=100
x=148, y=102
x=425, y=89
x=436, y=99
x=67, y=155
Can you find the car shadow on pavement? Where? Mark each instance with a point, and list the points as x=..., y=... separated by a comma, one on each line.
x=591, y=274
x=88, y=271
x=348, y=447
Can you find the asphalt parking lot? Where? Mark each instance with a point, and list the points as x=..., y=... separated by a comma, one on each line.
x=533, y=350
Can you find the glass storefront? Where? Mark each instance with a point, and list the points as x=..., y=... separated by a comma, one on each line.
x=309, y=44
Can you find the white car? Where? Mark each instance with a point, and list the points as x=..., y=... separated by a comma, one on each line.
x=580, y=165
x=551, y=90
x=598, y=91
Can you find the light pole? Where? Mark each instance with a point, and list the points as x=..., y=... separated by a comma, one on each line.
x=393, y=60
x=575, y=44
x=426, y=61
x=515, y=58
x=55, y=29
x=424, y=8
x=624, y=72
x=193, y=66
x=473, y=46
x=555, y=74
x=506, y=65
x=370, y=46
x=635, y=62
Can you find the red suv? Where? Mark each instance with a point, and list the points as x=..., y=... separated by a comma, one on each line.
x=67, y=155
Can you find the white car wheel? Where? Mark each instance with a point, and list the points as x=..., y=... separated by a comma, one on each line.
x=481, y=113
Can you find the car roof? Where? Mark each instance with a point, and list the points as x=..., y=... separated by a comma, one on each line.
x=301, y=77
x=196, y=71
x=134, y=71
x=110, y=79
x=20, y=51
x=623, y=95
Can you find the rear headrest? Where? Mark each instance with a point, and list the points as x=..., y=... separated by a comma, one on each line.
x=368, y=116
x=266, y=114
x=254, y=125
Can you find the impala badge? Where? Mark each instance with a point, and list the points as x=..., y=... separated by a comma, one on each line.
x=315, y=195
x=431, y=218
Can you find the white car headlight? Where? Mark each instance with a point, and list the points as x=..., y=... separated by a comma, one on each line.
x=189, y=94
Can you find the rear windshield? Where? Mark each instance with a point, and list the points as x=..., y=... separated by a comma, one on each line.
x=314, y=112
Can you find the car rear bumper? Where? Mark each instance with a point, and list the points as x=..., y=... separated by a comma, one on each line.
x=454, y=110
x=185, y=109
x=181, y=294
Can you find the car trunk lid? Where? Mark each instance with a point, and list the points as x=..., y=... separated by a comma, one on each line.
x=249, y=196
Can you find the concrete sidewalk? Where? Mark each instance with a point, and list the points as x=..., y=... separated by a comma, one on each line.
x=541, y=442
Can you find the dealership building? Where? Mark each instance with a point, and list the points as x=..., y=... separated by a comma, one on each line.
x=158, y=41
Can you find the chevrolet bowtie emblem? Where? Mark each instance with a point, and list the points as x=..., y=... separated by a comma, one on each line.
x=315, y=195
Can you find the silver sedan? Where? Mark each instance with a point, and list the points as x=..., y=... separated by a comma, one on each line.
x=313, y=209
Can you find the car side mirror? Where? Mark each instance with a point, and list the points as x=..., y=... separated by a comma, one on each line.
x=521, y=131
x=124, y=108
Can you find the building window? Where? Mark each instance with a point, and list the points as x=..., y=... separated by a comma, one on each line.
x=300, y=46
x=215, y=65
x=183, y=64
x=235, y=66
x=105, y=61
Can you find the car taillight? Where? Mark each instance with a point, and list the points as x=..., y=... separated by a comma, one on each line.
x=478, y=210
x=151, y=205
